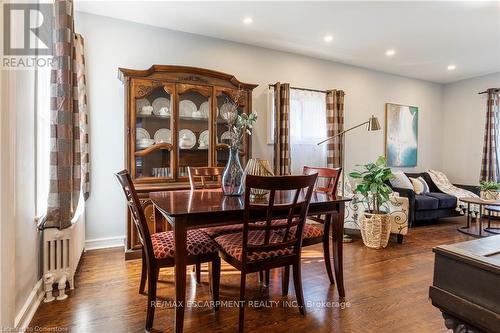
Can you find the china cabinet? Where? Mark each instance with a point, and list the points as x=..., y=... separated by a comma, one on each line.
x=174, y=118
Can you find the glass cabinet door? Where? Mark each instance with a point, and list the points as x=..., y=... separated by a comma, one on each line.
x=194, y=104
x=153, y=127
x=223, y=135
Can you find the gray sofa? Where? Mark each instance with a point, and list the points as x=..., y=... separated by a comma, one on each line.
x=433, y=205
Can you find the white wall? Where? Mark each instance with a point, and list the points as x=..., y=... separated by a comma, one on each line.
x=20, y=237
x=464, y=115
x=112, y=43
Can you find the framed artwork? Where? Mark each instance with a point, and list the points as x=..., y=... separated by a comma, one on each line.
x=401, y=135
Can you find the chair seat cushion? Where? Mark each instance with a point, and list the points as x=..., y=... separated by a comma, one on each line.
x=226, y=229
x=425, y=202
x=232, y=244
x=198, y=243
x=311, y=230
x=445, y=200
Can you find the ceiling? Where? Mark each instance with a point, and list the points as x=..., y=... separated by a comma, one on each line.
x=427, y=37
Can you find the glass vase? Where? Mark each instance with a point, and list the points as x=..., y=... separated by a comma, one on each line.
x=232, y=178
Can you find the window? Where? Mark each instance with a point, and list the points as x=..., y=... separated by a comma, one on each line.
x=307, y=128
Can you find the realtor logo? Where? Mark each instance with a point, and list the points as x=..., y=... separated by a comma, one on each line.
x=27, y=29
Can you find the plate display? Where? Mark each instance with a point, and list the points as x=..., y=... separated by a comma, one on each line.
x=163, y=135
x=158, y=104
x=141, y=133
x=203, y=140
x=226, y=137
x=225, y=112
x=140, y=103
x=187, y=139
x=205, y=110
x=187, y=108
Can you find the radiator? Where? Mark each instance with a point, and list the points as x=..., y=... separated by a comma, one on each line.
x=62, y=250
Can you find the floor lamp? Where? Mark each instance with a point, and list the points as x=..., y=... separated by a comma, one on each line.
x=373, y=125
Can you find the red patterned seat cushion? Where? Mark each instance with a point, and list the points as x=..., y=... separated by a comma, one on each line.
x=226, y=229
x=232, y=245
x=310, y=230
x=198, y=243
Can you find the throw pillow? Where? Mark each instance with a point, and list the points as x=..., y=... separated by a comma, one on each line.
x=424, y=184
x=419, y=185
x=400, y=180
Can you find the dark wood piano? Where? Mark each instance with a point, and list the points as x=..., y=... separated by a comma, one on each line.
x=466, y=285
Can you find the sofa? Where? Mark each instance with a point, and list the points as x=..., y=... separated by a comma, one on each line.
x=430, y=206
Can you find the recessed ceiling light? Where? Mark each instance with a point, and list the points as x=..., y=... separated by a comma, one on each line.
x=328, y=38
x=247, y=20
x=390, y=53
x=451, y=67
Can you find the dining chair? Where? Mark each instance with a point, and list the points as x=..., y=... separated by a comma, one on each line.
x=206, y=175
x=205, y=178
x=263, y=245
x=158, y=249
x=327, y=182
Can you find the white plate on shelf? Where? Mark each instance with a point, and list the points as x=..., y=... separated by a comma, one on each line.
x=187, y=108
x=158, y=104
x=163, y=135
x=203, y=140
x=189, y=135
x=226, y=137
x=141, y=133
x=225, y=110
x=140, y=103
x=205, y=110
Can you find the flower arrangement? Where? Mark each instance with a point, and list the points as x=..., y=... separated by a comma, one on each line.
x=238, y=124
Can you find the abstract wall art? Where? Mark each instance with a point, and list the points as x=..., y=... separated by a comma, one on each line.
x=401, y=135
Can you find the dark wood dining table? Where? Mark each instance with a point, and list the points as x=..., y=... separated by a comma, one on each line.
x=188, y=209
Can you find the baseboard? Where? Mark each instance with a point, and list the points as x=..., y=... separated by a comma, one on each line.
x=102, y=243
x=23, y=318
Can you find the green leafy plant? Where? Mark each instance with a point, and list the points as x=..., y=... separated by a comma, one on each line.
x=489, y=186
x=372, y=185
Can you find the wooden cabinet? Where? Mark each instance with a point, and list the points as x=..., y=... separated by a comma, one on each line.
x=174, y=118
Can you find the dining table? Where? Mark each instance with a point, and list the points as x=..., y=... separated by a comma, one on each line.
x=191, y=209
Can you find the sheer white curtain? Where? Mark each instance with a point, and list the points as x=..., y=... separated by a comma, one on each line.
x=307, y=128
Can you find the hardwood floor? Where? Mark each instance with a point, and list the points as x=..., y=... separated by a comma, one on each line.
x=387, y=291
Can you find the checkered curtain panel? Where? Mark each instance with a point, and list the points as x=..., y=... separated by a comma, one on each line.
x=335, y=125
x=80, y=97
x=69, y=120
x=489, y=166
x=282, y=129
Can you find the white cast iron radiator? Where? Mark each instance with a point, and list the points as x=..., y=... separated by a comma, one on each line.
x=62, y=250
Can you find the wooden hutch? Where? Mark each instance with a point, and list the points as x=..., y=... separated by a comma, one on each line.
x=159, y=103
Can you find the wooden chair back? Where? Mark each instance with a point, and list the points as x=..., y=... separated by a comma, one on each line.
x=136, y=211
x=204, y=174
x=288, y=196
x=328, y=178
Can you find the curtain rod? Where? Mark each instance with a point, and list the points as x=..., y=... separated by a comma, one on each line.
x=486, y=91
x=306, y=89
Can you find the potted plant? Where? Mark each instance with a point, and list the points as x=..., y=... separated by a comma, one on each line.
x=375, y=224
x=489, y=190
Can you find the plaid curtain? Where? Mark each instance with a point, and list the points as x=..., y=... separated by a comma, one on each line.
x=334, y=125
x=281, y=129
x=489, y=166
x=80, y=97
x=69, y=120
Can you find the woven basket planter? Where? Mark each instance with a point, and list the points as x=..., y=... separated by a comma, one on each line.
x=375, y=230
